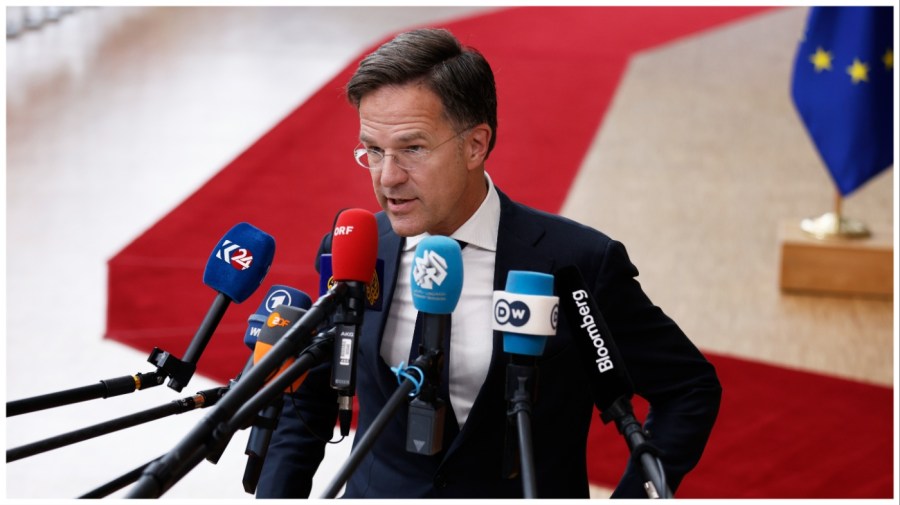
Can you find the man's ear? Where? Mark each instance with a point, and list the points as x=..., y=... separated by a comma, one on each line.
x=477, y=143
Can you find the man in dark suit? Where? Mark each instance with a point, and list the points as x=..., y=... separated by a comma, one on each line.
x=427, y=109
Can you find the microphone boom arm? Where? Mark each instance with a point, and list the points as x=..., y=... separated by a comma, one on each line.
x=201, y=400
x=105, y=389
x=521, y=382
x=622, y=413
x=196, y=445
x=368, y=439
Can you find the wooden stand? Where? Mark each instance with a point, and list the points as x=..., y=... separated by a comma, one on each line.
x=837, y=266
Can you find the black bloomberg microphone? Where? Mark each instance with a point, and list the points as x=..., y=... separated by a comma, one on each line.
x=235, y=269
x=612, y=381
x=611, y=385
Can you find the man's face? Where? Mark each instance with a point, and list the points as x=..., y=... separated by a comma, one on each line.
x=439, y=193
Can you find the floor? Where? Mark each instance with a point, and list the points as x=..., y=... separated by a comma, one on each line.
x=114, y=115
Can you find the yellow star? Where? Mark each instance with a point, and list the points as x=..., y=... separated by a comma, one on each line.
x=859, y=71
x=888, y=59
x=821, y=59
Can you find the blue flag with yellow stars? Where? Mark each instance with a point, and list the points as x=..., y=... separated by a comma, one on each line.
x=843, y=88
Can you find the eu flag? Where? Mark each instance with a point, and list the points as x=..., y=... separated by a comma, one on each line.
x=843, y=89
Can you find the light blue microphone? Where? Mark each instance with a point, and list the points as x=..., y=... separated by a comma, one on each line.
x=526, y=312
x=436, y=276
x=436, y=279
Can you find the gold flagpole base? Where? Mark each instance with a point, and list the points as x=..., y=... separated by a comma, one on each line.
x=832, y=225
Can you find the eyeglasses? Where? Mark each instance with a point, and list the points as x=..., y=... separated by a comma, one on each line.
x=407, y=159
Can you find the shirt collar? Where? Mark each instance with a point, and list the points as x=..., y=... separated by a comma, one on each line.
x=481, y=228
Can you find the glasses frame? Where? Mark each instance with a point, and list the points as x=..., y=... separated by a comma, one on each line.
x=360, y=150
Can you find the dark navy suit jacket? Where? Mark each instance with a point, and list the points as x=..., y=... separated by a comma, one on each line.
x=666, y=369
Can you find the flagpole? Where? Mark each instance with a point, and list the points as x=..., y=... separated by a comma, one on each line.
x=834, y=225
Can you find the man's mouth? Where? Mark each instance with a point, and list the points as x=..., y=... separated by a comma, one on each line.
x=399, y=204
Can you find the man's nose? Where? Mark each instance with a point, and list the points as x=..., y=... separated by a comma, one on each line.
x=391, y=173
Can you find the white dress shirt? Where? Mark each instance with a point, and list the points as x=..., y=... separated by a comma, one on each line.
x=471, y=336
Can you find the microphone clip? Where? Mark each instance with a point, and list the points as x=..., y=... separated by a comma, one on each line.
x=521, y=393
x=168, y=365
x=427, y=411
x=348, y=318
x=425, y=426
x=619, y=410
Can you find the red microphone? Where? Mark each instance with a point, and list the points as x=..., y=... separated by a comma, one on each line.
x=354, y=246
x=354, y=249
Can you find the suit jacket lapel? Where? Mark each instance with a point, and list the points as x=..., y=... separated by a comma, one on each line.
x=389, y=248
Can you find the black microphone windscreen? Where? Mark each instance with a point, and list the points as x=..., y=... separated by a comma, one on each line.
x=608, y=378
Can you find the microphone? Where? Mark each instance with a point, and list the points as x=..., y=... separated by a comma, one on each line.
x=527, y=313
x=278, y=322
x=611, y=382
x=436, y=280
x=235, y=269
x=354, y=248
x=610, y=385
x=277, y=295
x=235, y=283
x=239, y=263
x=277, y=302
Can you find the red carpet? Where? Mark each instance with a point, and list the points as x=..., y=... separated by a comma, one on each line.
x=812, y=437
x=294, y=179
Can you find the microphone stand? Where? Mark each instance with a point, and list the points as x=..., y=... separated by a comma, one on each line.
x=118, y=483
x=201, y=400
x=622, y=413
x=258, y=443
x=425, y=363
x=267, y=418
x=207, y=440
x=133, y=475
x=180, y=371
x=520, y=386
x=212, y=433
x=318, y=352
x=201, y=339
x=105, y=389
x=167, y=365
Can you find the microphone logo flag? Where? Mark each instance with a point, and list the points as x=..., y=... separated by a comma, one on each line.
x=276, y=320
x=235, y=255
x=525, y=314
x=436, y=276
x=430, y=269
x=278, y=297
x=515, y=313
x=373, y=288
x=604, y=362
